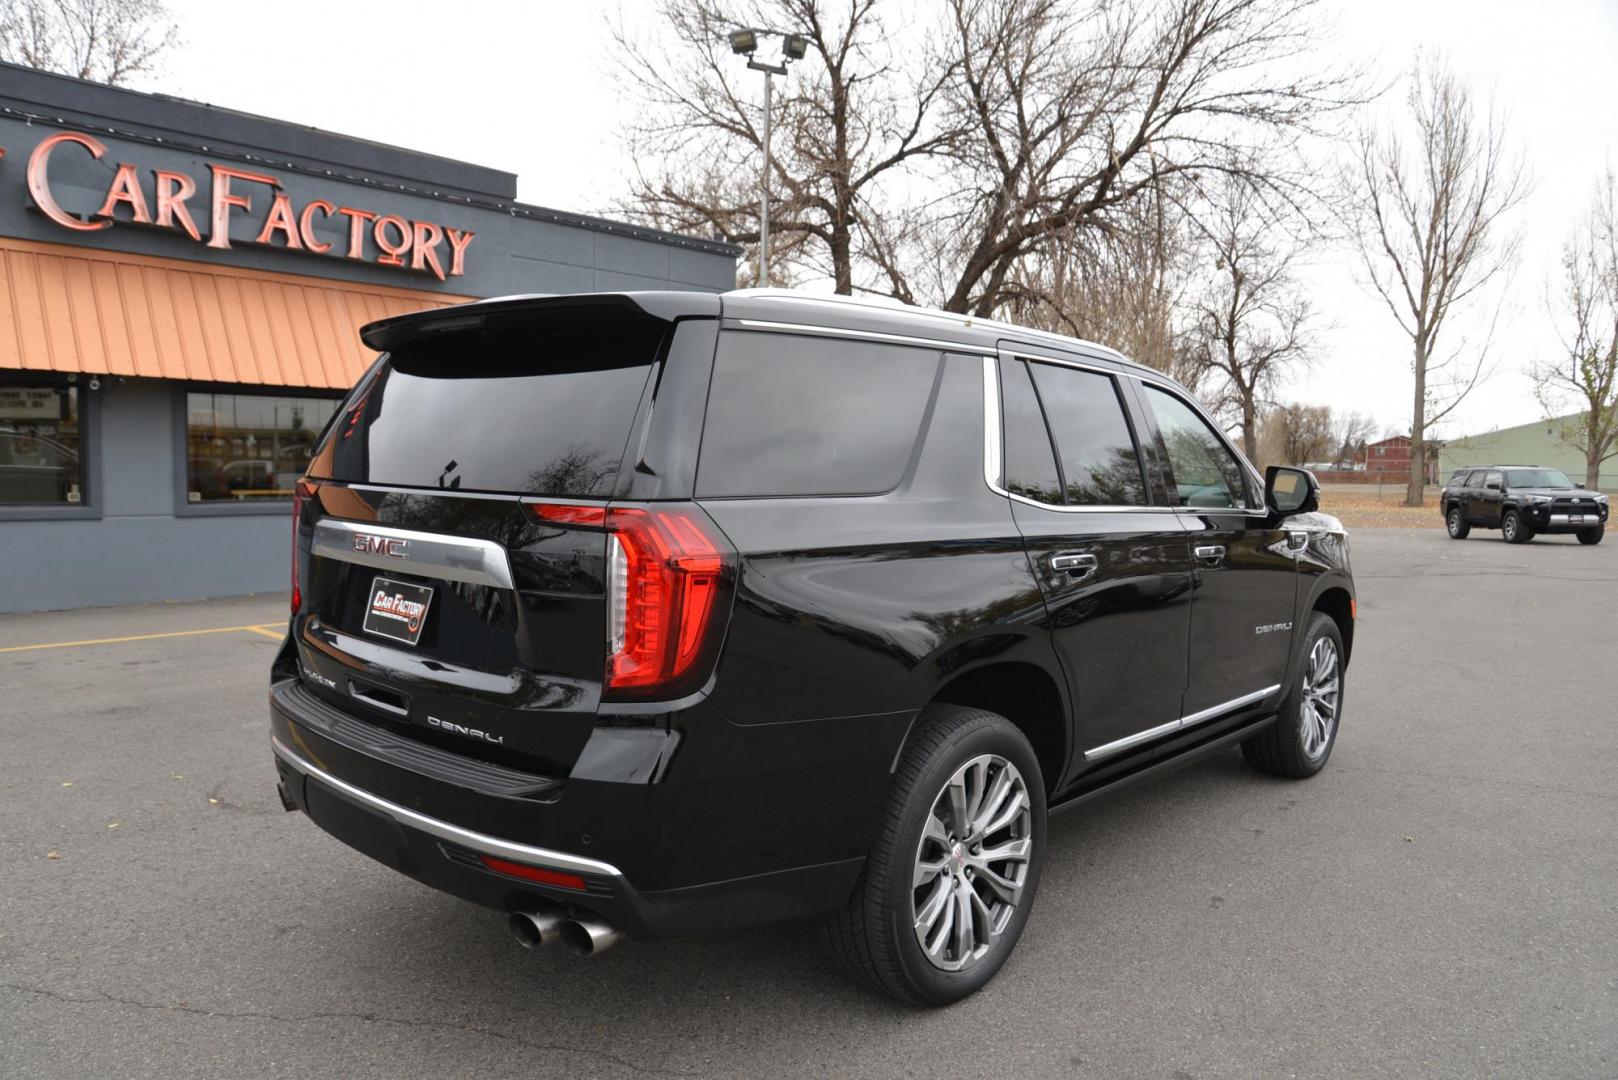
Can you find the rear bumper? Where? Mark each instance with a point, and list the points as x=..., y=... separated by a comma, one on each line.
x=680, y=851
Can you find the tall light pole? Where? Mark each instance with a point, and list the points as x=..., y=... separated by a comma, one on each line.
x=793, y=47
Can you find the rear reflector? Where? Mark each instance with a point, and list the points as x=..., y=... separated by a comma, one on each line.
x=533, y=873
x=571, y=514
x=300, y=494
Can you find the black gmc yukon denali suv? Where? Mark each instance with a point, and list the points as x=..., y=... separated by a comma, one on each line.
x=1520, y=501
x=643, y=614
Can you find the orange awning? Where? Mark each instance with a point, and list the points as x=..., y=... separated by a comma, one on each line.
x=109, y=313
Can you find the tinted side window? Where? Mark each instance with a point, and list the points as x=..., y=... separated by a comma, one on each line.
x=1494, y=478
x=1094, y=446
x=1206, y=474
x=811, y=416
x=1030, y=462
x=1474, y=478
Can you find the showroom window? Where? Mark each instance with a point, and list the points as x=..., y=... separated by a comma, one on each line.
x=41, y=446
x=247, y=448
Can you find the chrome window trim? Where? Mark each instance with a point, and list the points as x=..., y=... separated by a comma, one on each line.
x=453, y=558
x=479, y=842
x=993, y=467
x=861, y=335
x=1119, y=745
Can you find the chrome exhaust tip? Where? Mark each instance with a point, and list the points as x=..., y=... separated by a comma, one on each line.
x=589, y=936
x=533, y=929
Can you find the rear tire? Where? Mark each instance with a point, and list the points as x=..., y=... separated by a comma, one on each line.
x=1300, y=741
x=1592, y=536
x=926, y=862
x=1457, y=524
x=1515, y=529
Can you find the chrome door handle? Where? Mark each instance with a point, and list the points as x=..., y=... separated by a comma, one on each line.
x=1078, y=566
x=1212, y=554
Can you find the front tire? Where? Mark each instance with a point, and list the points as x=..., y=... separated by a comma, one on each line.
x=1305, y=730
x=1592, y=535
x=1515, y=529
x=1457, y=524
x=951, y=876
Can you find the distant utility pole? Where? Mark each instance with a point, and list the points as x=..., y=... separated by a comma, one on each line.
x=793, y=47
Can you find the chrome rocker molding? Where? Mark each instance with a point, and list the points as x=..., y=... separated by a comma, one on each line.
x=454, y=558
x=479, y=842
x=1120, y=745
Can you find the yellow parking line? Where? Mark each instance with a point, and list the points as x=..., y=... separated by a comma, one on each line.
x=260, y=629
x=266, y=631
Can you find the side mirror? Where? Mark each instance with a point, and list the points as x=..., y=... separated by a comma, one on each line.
x=1579, y=486
x=1491, y=486
x=1291, y=491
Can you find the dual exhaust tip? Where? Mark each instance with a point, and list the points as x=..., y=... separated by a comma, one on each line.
x=583, y=935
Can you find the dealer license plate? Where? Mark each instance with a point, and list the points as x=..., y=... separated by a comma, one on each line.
x=397, y=610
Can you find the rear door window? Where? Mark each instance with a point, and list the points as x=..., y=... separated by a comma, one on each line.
x=1030, y=464
x=790, y=415
x=545, y=413
x=1095, y=448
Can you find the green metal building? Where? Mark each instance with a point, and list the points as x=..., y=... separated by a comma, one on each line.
x=1538, y=443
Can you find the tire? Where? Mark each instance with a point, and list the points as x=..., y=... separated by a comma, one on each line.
x=1300, y=741
x=1592, y=536
x=1457, y=524
x=874, y=936
x=1515, y=529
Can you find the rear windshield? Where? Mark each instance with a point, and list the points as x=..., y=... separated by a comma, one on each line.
x=548, y=412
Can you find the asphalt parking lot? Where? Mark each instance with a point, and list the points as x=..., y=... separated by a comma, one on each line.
x=1441, y=901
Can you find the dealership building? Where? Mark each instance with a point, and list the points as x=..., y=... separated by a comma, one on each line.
x=180, y=292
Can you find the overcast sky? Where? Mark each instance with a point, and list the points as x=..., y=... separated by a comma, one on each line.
x=524, y=87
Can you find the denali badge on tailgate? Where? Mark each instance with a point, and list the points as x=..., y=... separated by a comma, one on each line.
x=397, y=610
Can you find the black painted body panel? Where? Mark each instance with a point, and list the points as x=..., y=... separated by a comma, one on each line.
x=850, y=614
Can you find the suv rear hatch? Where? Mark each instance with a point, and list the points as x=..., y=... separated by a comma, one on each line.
x=451, y=563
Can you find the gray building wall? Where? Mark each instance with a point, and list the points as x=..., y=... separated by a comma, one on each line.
x=138, y=550
x=136, y=540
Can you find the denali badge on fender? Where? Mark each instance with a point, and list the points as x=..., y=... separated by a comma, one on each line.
x=397, y=610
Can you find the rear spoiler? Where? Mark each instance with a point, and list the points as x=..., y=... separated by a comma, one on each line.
x=507, y=313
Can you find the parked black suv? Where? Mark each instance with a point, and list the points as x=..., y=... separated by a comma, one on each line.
x=1520, y=501
x=650, y=613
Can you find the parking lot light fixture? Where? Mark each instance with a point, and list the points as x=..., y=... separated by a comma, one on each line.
x=744, y=42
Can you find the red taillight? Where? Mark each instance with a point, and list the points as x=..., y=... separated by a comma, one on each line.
x=533, y=873
x=665, y=572
x=667, y=588
x=300, y=493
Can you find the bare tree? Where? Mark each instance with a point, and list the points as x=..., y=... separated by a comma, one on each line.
x=936, y=162
x=1351, y=432
x=1250, y=325
x=107, y=41
x=1587, y=373
x=1077, y=108
x=1296, y=434
x=1122, y=287
x=1428, y=215
x=850, y=115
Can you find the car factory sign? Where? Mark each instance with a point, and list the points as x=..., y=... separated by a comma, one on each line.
x=171, y=202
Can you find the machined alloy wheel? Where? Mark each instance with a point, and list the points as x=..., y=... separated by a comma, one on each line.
x=1457, y=524
x=1322, y=689
x=971, y=862
x=953, y=867
x=1514, y=529
x=1310, y=715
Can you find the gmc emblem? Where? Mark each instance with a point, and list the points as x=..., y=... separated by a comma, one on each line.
x=381, y=545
